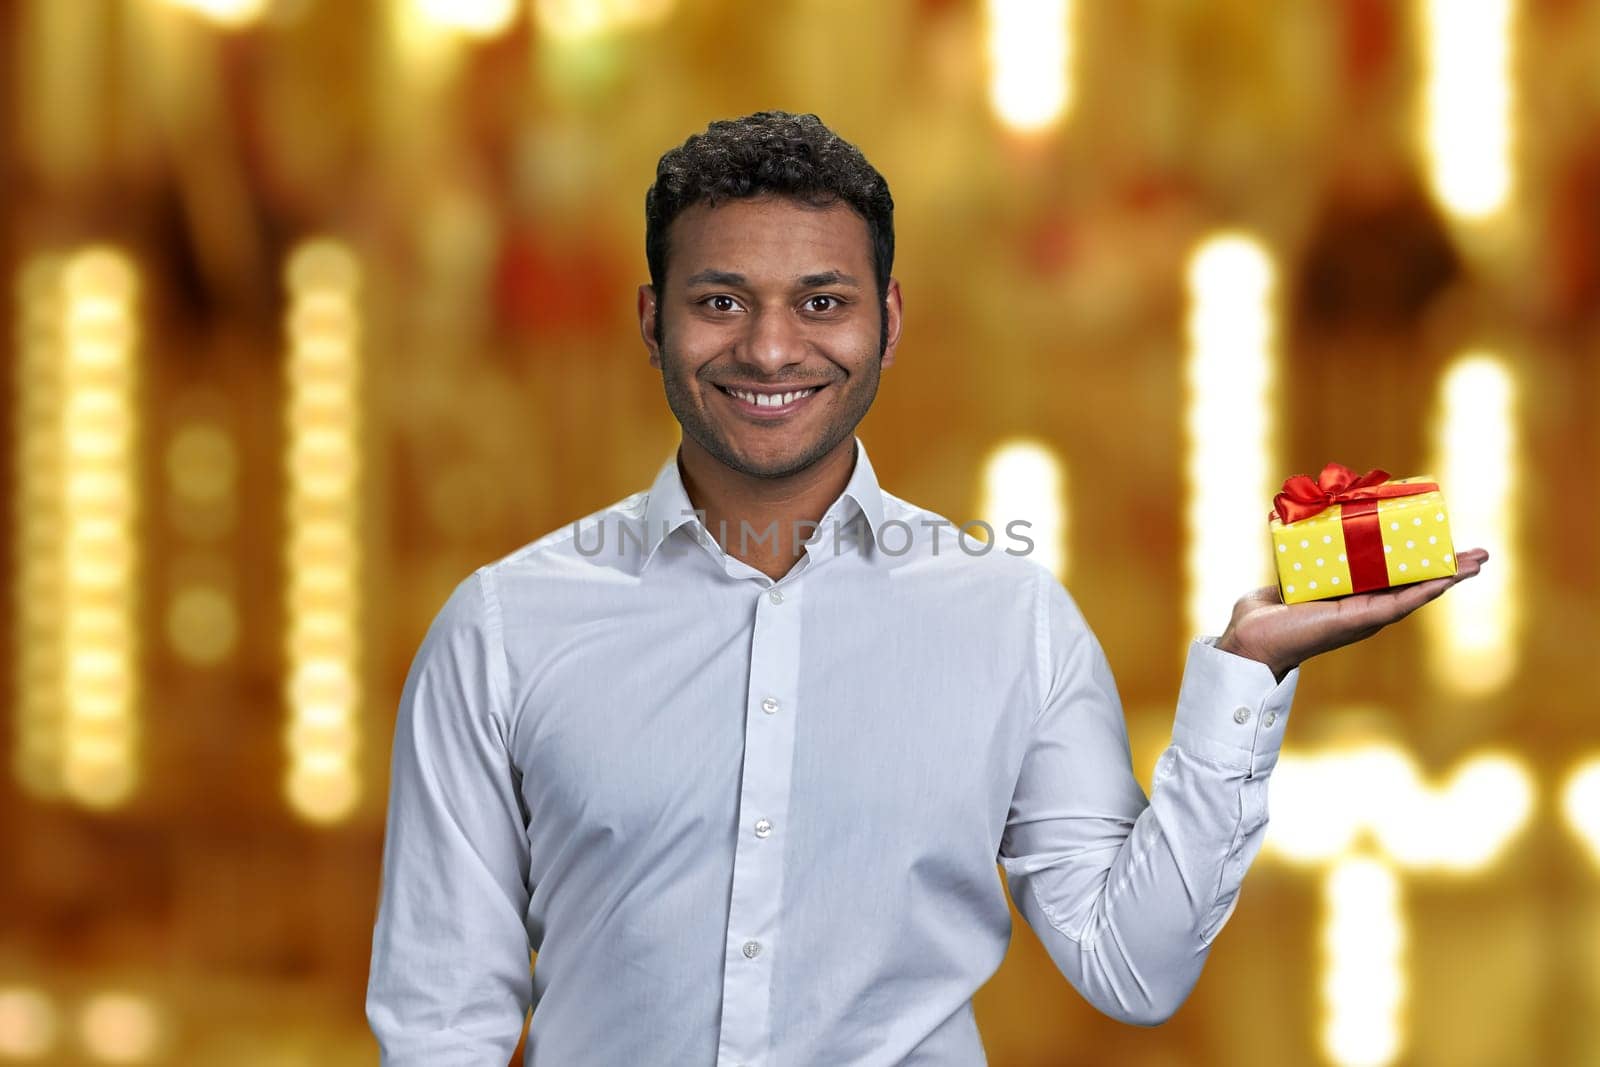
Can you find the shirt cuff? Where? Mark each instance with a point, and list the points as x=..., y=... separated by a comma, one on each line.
x=1231, y=710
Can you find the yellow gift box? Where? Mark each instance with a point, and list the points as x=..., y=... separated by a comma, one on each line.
x=1346, y=533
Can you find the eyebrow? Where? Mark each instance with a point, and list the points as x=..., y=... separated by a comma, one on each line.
x=725, y=277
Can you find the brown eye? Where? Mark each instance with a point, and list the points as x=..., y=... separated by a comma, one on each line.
x=832, y=302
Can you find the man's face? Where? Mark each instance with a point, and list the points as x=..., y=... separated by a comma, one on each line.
x=771, y=296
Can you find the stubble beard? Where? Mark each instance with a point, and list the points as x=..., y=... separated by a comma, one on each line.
x=857, y=396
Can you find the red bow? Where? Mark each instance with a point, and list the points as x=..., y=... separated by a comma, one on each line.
x=1337, y=484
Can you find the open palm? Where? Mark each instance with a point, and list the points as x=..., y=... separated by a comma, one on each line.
x=1283, y=635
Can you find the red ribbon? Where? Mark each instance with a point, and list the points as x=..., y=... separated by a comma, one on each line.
x=1358, y=497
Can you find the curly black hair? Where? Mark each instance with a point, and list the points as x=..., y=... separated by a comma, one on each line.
x=768, y=153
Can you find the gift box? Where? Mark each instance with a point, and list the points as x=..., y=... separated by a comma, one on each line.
x=1347, y=533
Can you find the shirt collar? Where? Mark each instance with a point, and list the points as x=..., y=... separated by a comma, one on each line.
x=668, y=506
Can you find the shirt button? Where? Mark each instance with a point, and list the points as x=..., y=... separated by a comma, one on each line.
x=752, y=949
x=1241, y=715
x=769, y=705
x=763, y=827
x=1269, y=718
x=775, y=595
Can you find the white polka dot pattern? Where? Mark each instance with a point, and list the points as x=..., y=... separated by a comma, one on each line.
x=1316, y=545
x=1311, y=554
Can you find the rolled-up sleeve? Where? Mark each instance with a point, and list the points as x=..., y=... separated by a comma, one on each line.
x=450, y=979
x=1126, y=893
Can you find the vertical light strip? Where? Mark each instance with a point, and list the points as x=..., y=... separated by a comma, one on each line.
x=425, y=56
x=1023, y=480
x=1472, y=631
x=1580, y=805
x=324, y=553
x=1030, y=61
x=472, y=18
x=572, y=21
x=1467, y=107
x=1229, y=377
x=201, y=610
x=227, y=13
x=100, y=489
x=36, y=754
x=1460, y=827
x=1363, y=948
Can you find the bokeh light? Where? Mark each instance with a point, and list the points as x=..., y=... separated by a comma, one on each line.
x=39, y=514
x=323, y=450
x=28, y=1023
x=120, y=1027
x=474, y=18
x=100, y=512
x=1580, y=805
x=1467, y=103
x=576, y=21
x=1460, y=826
x=225, y=13
x=1364, y=977
x=1024, y=480
x=1030, y=55
x=1472, y=633
x=1229, y=378
x=319, y=306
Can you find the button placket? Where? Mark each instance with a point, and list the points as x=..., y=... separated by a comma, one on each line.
x=758, y=873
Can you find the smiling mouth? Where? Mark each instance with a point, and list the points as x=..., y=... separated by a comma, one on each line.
x=772, y=403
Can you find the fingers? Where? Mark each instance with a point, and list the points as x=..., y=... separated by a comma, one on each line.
x=1380, y=607
x=1411, y=597
x=1356, y=617
x=1468, y=564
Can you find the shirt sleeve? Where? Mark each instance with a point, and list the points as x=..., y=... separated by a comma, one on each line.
x=450, y=980
x=1127, y=893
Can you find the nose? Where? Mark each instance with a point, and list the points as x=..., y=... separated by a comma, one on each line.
x=772, y=342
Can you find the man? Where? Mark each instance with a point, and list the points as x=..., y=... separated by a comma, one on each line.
x=737, y=756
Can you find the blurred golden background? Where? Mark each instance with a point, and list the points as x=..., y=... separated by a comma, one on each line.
x=319, y=304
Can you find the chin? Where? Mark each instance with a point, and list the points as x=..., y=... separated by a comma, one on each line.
x=778, y=461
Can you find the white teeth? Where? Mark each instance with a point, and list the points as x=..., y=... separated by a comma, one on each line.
x=769, y=400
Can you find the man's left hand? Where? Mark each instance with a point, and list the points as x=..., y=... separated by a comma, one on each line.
x=1283, y=635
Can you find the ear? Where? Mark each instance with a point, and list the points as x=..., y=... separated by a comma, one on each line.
x=891, y=308
x=647, y=323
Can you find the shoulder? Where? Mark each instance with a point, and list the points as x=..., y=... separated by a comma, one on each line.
x=571, y=545
x=998, y=553
x=994, y=571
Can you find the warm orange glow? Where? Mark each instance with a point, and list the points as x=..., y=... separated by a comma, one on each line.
x=324, y=555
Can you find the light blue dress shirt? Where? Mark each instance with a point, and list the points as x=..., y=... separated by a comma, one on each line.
x=747, y=822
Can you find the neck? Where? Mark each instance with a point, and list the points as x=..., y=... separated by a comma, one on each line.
x=771, y=509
